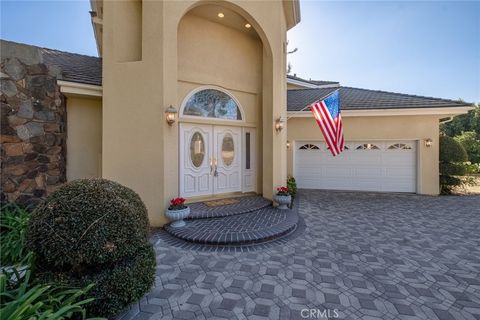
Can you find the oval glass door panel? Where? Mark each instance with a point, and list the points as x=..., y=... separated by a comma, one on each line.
x=197, y=149
x=228, y=149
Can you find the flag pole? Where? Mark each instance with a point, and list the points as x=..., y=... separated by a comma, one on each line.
x=301, y=110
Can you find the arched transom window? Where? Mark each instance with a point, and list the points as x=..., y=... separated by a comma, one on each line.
x=212, y=103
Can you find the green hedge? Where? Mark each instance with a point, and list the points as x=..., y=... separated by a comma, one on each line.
x=451, y=150
x=452, y=164
x=88, y=221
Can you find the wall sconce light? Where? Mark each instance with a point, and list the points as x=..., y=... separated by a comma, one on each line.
x=428, y=142
x=170, y=115
x=288, y=144
x=279, y=124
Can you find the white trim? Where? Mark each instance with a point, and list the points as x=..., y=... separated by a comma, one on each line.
x=301, y=83
x=206, y=87
x=311, y=85
x=390, y=112
x=80, y=89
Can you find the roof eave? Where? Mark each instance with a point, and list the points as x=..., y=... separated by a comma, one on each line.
x=399, y=111
x=75, y=89
x=97, y=23
x=292, y=12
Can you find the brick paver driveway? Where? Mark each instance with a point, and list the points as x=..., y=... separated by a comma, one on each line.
x=361, y=256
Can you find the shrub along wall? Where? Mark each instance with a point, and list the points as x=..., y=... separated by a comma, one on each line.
x=32, y=126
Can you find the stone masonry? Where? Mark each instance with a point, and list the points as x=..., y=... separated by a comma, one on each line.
x=33, y=126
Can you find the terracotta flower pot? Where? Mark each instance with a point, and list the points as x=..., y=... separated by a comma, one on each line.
x=177, y=216
x=283, y=201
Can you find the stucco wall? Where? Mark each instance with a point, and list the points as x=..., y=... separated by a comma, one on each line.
x=212, y=53
x=144, y=157
x=382, y=128
x=84, y=138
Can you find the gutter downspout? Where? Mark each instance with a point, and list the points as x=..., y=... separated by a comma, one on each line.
x=447, y=120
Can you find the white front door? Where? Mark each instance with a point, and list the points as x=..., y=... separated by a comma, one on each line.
x=195, y=160
x=210, y=160
x=227, y=159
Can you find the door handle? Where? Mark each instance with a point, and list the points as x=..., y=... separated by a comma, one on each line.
x=215, y=172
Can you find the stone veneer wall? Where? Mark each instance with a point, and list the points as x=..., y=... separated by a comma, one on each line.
x=33, y=128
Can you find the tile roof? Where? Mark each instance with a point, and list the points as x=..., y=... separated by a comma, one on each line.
x=88, y=70
x=75, y=67
x=362, y=99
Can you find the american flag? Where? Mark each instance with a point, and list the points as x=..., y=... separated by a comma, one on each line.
x=327, y=114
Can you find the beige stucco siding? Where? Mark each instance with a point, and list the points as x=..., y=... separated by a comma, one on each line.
x=416, y=128
x=84, y=138
x=215, y=54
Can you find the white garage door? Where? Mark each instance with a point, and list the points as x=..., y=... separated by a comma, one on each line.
x=388, y=166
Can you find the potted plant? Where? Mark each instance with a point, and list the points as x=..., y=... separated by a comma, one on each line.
x=177, y=211
x=283, y=198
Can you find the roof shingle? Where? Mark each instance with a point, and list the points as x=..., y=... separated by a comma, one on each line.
x=363, y=99
x=75, y=67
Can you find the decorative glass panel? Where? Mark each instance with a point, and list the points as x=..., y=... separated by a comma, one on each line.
x=211, y=103
x=399, y=146
x=197, y=149
x=344, y=148
x=309, y=146
x=247, y=150
x=368, y=146
x=228, y=149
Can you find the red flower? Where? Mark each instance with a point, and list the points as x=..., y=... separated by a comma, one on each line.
x=177, y=201
x=283, y=191
x=177, y=204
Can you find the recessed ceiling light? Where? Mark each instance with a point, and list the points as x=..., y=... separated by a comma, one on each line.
x=248, y=25
x=220, y=15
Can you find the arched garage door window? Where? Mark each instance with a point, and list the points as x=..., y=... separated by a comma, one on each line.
x=212, y=103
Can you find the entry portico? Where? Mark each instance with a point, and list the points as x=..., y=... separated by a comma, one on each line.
x=161, y=53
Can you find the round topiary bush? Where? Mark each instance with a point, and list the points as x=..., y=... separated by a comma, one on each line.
x=88, y=221
x=94, y=231
x=116, y=287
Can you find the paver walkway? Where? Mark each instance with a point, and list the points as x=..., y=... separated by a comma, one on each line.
x=361, y=256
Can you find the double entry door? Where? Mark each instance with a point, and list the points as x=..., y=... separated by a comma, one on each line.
x=210, y=159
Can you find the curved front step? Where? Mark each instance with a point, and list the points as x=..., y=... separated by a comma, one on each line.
x=252, y=227
x=200, y=210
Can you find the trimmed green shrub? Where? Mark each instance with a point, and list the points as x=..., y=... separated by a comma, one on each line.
x=13, y=225
x=94, y=231
x=451, y=150
x=116, y=286
x=471, y=143
x=452, y=164
x=86, y=222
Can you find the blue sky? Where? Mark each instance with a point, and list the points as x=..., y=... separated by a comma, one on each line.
x=428, y=48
